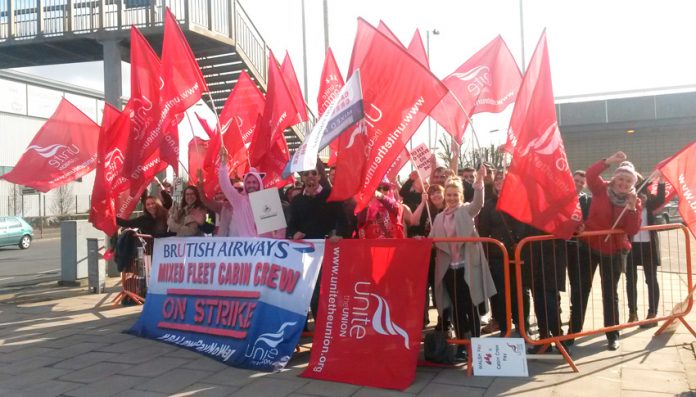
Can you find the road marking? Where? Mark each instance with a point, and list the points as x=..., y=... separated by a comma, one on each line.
x=6, y=278
x=49, y=271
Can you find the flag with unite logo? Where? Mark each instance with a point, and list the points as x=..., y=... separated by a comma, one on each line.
x=368, y=330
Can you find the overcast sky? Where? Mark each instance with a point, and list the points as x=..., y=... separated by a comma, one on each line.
x=596, y=46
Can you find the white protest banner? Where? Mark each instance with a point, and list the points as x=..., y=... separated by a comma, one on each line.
x=267, y=210
x=499, y=357
x=240, y=301
x=422, y=156
x=345, y=110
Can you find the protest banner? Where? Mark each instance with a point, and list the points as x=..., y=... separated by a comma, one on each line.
x=240, y=301
x=367, y=332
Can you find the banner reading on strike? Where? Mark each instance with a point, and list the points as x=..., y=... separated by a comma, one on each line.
x=368, y=330
x=240, y=301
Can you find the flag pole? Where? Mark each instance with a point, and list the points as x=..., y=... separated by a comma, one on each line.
x=642, y=185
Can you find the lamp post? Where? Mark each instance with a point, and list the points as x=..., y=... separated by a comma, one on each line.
x=427, y=52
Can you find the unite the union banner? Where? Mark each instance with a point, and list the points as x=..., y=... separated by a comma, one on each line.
x=240, y=301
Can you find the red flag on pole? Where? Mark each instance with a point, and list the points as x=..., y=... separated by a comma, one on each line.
x=397, y=166
x=680, y=171
x=243, y=108
x=539, y=188
x=114, y=193
x=417, y=49
x=64, y=149
x=370, y=290
x=278, y=114
x=331, y=82
x=350, y=162
x=148, y=125
x=398, y=93
x=182, y=78
x=293, y=85
x=102, y=213
x=486, y=82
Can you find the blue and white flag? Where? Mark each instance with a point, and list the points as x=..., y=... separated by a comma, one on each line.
x=240, y=301
x=345, y=110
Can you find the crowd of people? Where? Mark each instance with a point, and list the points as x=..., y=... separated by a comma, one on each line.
x=465, y=280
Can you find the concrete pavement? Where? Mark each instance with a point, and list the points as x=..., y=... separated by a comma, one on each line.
x=65, y=342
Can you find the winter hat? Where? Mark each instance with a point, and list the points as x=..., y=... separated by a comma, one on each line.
x=627, y=168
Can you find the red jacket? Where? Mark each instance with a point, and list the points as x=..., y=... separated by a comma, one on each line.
x=603, y=214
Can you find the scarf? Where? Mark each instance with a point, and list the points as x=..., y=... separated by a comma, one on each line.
x=617, y=199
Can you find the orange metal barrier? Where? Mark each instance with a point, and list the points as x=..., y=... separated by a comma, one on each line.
x=669, y=246
x=508, y=304
x=134, y=282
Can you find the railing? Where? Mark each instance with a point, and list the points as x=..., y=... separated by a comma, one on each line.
x=609, y=297
x=29, y=19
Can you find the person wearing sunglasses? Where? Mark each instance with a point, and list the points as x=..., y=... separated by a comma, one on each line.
x=313, y=217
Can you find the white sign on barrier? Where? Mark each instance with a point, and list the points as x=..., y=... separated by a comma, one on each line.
x=499, y=357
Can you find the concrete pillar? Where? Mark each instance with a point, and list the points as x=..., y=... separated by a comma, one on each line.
x=113, y=81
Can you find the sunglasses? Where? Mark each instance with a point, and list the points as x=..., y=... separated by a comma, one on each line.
x=384, y=188
x=308, y=173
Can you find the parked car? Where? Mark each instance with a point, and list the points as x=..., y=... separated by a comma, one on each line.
x=15, y=231
x=670, y=213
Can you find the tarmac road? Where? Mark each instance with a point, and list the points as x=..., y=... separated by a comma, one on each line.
x=39, y=263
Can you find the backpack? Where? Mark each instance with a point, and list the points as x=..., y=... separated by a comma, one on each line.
x=437, y=350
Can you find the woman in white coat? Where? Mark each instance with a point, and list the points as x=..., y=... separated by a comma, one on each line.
x=462, y=278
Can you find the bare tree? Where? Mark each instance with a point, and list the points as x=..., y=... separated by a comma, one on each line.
x=63, y=200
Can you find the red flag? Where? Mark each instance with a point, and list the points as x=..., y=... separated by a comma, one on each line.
x=294, y=87
x=486, y=82
x=148, y=130
x=680, y=172
x=370, y=290
x=417, y=49
x=102, y=214
x=273, y=164
x=64, y=149
x=182, y=84
x=182, y=78
x=384, y=29
x=278, y=114
x=244, y=105
x=238, y=160
x=115, y=193
x=539, y=188
x=350, y=162
x=197, y=149
x=398, y=165
x=331, y=82
x=398, y=94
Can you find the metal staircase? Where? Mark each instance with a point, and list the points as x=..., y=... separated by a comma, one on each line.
x=221, y=35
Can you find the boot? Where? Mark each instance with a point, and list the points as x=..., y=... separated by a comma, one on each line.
x=633, y=316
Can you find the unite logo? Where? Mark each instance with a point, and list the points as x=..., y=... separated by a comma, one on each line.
x=546, y=144
x=264, y=349
x=360, y=129
x=60, y=156
x=355, y=319
x=141, y=116
x=476, y=79
x=113, y=162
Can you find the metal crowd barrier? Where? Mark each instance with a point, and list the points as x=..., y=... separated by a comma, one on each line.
x=673, y=276
x=488, y=244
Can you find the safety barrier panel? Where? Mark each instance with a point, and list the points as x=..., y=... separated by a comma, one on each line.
x=135, y=279
x=489, y=244
x=543, y=259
